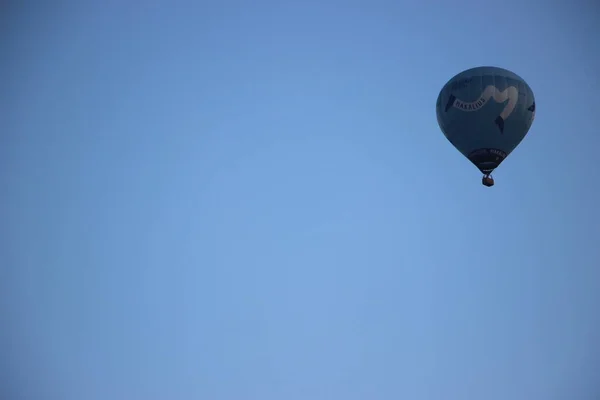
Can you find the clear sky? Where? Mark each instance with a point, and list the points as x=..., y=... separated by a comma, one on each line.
x=246, y=200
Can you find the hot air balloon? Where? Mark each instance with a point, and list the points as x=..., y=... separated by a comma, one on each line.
x=485, y=112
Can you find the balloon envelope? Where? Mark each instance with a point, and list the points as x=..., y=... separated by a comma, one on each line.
x=485, y=112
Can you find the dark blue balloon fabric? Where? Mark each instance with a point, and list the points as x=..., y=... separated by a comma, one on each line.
x=485, y=112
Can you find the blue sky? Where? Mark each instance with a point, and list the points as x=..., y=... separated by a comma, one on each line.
x=252, y=200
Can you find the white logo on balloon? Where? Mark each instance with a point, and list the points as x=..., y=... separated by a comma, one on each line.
x=511, y=94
